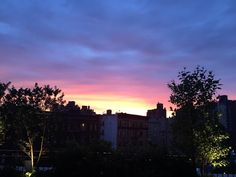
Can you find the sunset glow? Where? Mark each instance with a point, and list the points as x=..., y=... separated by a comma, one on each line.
x=115, y=103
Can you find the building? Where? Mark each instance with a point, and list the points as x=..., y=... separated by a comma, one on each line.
x=227, y=110
x=159, y=128
x=71, y=107
x=77, y=125
x=124, y=130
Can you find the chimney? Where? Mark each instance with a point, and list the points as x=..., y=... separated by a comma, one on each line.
x=84, y=108
x=71, y=104
x=159, y=106
x=109, y=112
x=223, y=98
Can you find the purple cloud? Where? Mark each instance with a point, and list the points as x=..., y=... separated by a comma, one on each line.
x=116, y=46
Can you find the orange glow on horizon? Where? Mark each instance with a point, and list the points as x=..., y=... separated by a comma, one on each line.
x=101, y=103
x=131, y=102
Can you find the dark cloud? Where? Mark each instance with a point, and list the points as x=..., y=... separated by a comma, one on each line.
x=123, y=43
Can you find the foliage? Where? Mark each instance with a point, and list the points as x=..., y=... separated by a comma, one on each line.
x=197, y=88
x=3, y=88
x=211, y=148
x=26, y=115
x=197, y=131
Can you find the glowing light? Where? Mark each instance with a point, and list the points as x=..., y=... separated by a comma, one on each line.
x=116, y=103
x=28, y=174
x=100, y=100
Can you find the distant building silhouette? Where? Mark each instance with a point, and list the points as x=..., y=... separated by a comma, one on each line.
x=77, y=125
x=227, y=110
x=72, y=107
x=159, y=130
x=124, y=130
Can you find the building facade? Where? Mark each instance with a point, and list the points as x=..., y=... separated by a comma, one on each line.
x=77, y=125
x=124, y=130
x=159, y=128
x=227, y=110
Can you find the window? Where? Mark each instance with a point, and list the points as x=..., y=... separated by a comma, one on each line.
x=83, y=126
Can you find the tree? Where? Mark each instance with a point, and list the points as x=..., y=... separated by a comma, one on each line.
x=3, y=88
x=198, y=133
x=26, y=114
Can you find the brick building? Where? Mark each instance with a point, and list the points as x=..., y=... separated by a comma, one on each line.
x=124, y=130
x=77, y=125
x=159, y=128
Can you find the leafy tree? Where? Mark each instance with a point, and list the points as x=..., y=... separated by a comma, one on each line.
x=3, y=88
x=27, y=115
x=198, y=133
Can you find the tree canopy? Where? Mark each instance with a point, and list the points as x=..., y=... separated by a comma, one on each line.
x=198, y=133
x=26, y=114
x=196, y=88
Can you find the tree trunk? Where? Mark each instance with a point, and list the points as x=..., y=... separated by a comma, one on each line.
x=32, y=157
x=194, y=166
x=41, y=146
x=203, y=168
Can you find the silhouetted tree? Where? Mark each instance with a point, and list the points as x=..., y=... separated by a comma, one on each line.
x=26, y=114
x=3, y=88
x=198, y=133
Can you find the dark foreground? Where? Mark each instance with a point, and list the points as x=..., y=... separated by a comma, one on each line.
x=96, y=162
x=100, y=164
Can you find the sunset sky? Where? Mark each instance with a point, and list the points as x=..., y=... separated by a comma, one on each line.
x=116, y=55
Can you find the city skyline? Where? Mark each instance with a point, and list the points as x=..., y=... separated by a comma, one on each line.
x=116, y=55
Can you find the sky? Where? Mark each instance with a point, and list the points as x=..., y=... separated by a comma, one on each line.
x=116, y=54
